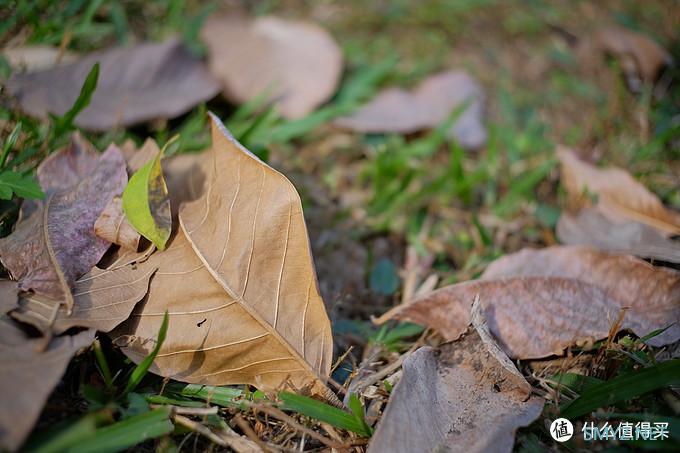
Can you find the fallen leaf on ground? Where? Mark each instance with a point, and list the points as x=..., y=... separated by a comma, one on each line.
x=113, y=226
x=136, y=84
x=619, y=194
x=464, y=396
x=28, y=377
x=591, y=227
x=65, y=168
x=239, y=285
x=35, y=58
x=538, y=302
x=146, y=202
x=8, y=295
x=640, y=57
x=56, y=244
x=295, y=64
x=427, y=106
x=103, y=298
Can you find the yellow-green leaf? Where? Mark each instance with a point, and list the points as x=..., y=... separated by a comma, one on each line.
x=146, y=203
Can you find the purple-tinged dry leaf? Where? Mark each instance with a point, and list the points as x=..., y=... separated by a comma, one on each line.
x=27, y=377
x=537, y=303
x=113, y=226
x=103, y=299
x=8, y=295
x=425, y=107
x=136, y=84
x=591, y=227
x=618, y=193
x=297, y=65
x=56, y=244
x=67, y=167
x=461, y=397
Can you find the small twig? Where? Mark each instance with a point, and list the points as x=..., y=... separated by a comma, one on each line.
x=248, y=431
x=277, y=413
x=200, y=429
x=188, y=410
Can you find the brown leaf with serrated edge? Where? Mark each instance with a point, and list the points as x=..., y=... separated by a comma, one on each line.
x=113, y=226
x=56, y=244
x=8, y=295
x=464, y=396
x=103, y=298
x=538, y=302
x=425, y=107
x=136, y=84
x=593, y=228
x=297, y=65
x=238, y=282
x=27, y=377
x=618, y=193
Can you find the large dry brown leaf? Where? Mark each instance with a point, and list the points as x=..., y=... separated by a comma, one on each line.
x=135, y=84
x=591, y=227
x=461, y=397
x=619, y=194
x=427, y=106
x=56, y=244
x=103, y=298
x=296, y=64
x=238, y=282
x=640, y=57
x=538, y=302
x=27, y=377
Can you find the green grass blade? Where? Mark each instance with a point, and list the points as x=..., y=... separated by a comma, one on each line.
x=66, y=121
x=127, y=433
x=221, y=396
x=323, y=412
x=358, y=410
x=63, y=437
x=143, y=367
x=9, y=144
x=624, y=387
x=103, y=364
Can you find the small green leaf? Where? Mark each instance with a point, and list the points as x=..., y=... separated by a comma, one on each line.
x=384, y=278
x=65, y=122
x=22, y=185
x=143, y=367
x=146, y=203
x=323, y=412
x=624, y=387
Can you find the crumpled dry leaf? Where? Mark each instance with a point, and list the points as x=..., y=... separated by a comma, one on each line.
x=8, y=295
x=461, y=397
x=56, y=244
x=28, y=377
x=425, y=107
x=67, y=167
x=136, y=84
x=591, y=227
x=238, y=282
x=295, y=64
x=35, y=58
x=113, y=226
x=538, y=302
x=103, y=298
x=619, y=194
x=640, y=57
